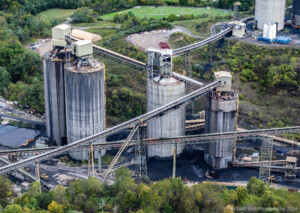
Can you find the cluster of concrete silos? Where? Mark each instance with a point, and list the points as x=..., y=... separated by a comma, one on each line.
x=221, y=110
x=74, y=95
x=75, y=100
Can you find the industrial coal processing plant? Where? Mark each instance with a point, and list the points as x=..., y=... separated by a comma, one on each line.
x=75, y=106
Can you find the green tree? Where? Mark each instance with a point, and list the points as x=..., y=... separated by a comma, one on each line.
x=56, y=208
x=60, y=195
x=44, y=200
x=256, y=187
x=282, y=77
x=172, y=17
x=241, y=193
x=14, y=208
x=5, y=190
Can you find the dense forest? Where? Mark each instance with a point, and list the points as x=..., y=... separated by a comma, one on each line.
x=166, y=196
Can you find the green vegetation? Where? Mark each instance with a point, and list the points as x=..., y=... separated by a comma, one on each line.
x=125, y=93
x=164, y=12
x=105, y=160
x=163, y=196
x=98, y=24
x=21, y=76
x=266, y=78
x=83, y=14
x=55, y=13
x=201, y=26
x=179, y=39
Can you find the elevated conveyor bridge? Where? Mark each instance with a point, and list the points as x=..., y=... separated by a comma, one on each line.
x=136, y=121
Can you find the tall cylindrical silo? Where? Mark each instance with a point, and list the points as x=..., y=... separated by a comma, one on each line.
x=85, y=104
x=272, y=11
x=220, y=116
x=161, y=91
x=53, y=70
x=296, y=12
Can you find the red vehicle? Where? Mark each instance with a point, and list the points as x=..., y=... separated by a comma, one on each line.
x=164, y=45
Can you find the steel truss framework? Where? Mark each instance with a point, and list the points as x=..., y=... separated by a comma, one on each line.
x=140, y=158
x=266, y=158
x=187, y=140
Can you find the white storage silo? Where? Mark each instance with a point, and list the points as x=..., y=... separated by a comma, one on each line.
x=270, y=11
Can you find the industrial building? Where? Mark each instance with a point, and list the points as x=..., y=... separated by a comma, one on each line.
x=54, y=86
x=74, y=91
x=162, y=88
x=85, y=96
x=270, y=11
x=239, y=29
x=220, y=116
x=296, y=12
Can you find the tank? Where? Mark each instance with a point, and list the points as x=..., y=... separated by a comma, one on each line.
x=53, y=71
x=270, y=11
x=220, y=116
x=161, y=91
x=85, y=104
x=296, y=12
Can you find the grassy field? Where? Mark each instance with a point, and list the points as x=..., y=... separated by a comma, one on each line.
x=201, y=30
x=163, y=12
x=97, y=24
x=55, y=14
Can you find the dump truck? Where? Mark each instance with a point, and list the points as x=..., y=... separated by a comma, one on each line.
x=44, y=177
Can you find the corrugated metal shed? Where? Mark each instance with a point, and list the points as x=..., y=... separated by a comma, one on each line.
x=85, y=35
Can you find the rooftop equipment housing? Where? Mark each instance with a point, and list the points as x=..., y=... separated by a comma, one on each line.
x=159, y=63
x=82, y=48
x=225, y=78
x=59, y=34
x=270, y=11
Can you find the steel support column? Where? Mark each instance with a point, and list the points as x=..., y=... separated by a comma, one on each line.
x=140, y=158
x=266, y=158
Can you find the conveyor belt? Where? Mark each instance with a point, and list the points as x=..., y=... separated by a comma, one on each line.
x=190, y=139
x=204, y=42
x=143, y=118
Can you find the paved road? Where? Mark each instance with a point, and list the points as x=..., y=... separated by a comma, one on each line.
x=22, y=120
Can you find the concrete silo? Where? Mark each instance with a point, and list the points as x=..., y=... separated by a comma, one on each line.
x=85, y=96
x=220, y=116
x=54, y=94
x=162, y=88
x=272, y=11
x=296, y=12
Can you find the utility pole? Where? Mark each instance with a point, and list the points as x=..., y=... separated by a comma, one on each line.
x=93, y=164
x=99, y=161
x=174, y=160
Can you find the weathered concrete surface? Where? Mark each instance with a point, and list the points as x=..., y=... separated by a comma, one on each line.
x=159, y=93
x=220, y=116
x=270, y=11
x=85, y=104
x=54, y=95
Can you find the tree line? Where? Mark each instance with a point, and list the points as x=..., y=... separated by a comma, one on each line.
x=166, y=196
